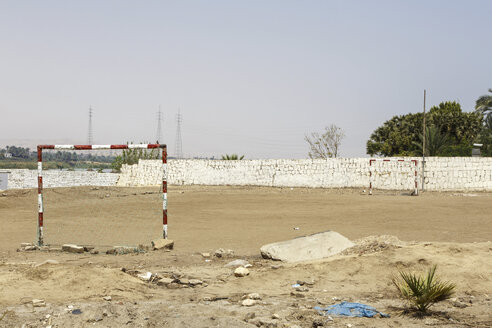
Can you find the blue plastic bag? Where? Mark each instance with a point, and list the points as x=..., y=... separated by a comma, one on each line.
x=350, y=310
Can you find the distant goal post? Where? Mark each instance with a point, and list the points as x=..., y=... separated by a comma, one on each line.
x=100, y=147
x=413, y=166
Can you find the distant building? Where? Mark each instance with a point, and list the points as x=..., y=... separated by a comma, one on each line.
x=8, y=155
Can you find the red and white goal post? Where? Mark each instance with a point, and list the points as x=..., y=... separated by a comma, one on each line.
x=99, y=147
x=413, y=164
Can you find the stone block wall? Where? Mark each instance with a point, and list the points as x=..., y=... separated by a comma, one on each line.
x=441, y=174
x=22, y=179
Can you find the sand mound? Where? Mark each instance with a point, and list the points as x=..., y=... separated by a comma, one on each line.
x=373, y=244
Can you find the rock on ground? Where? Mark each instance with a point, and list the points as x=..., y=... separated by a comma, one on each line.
x=162, y=244
x=312, y=247
x=70, y=248
x=241, y=272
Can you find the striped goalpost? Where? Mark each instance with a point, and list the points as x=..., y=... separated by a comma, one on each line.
x=98, y=147
x=413, y=167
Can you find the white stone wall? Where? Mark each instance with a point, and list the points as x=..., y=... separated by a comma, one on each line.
x=21, y=179
x=442, y=173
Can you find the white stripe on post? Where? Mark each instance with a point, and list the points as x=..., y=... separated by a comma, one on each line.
x=101, y=146
x=164, y=231
x=40, y=203
x=138, y=146
x=64, y=147
x=164, y=201
x=40, y=169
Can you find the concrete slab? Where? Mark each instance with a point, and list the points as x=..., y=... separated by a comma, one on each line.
x=312, y=247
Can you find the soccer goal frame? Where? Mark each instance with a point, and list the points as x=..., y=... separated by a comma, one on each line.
x=413, y=165
x=100, y=147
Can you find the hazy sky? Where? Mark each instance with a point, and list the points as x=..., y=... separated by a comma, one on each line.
x=250, y=77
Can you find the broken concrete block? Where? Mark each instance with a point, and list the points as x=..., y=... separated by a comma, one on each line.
x=312, y=247
x=70, y=248
x=162, y=244
x=248, y=302
x=38, y=303
x=195, y=282
x=241, y=272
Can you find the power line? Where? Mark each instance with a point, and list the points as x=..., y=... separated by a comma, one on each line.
x=179, y=142
x=158, y=135
x=90, y=137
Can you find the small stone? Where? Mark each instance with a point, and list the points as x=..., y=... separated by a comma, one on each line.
x=248, y=302
x=38, y=303
x=237, y=263
x=241, y=272
x=70, y=248
x=206, y=255
x=195, y=282
x=162, y=244
x=459, y=304
x=173, y=285
x=145, y=276
x=223, y=253
x=275, y=316
x=249, y=316
x=31, y=248
x=88, y=248
x=336, y=299
x=254, y=296
x=165, y=281
x=94, y=251
x=184, y=281
x=107, y=298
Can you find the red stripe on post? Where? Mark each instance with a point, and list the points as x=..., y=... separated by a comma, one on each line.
x=40, y=154
x=150, y=146
x=82, y=147
x=164, y=186
x=40, y=185
x=118, y=147
x=47, y=146
x=40, y=219
x=164, y=155
x=164, y=216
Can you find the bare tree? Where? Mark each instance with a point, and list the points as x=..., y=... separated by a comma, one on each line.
x=327, y=144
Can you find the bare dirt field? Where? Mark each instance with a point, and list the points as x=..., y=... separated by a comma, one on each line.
x=392, y=231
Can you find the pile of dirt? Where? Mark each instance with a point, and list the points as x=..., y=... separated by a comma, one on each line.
x=373, y=244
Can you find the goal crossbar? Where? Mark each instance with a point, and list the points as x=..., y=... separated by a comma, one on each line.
x=413, y=162
x=98, y=147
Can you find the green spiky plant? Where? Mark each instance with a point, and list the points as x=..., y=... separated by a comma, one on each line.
x=232, y=157
x=422, y=291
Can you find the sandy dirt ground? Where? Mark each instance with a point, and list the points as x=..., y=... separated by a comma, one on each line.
x=392, y=232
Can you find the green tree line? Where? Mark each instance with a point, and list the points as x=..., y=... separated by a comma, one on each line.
x=449, y=132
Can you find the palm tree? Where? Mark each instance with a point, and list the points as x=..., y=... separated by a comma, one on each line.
x=434, y=141
x=484, y=104
x=232, y=157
